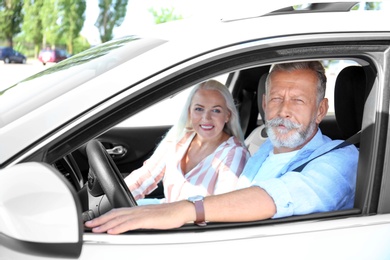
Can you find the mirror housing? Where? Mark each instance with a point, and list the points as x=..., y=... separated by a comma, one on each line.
x=40, y=213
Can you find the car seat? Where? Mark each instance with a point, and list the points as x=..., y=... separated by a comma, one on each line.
x=350, y=94
x=258, y=136
x=246, y=94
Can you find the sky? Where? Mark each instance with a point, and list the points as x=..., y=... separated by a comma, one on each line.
x=138, y=17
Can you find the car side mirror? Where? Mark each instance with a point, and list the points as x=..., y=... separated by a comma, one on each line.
x=40, y=213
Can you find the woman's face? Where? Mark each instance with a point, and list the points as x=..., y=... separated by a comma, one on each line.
x=208, y=113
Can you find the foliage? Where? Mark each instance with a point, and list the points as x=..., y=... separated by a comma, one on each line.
x=49, y=15
x=368, y=6
x=164, y=15
x=11, y=18
x=112, y=14
x=37, y=24
x=80, y=44
x=32, y=24
x=73, y=16
x=52, y=23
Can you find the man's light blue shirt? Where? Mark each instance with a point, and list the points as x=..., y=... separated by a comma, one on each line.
x=327, y=183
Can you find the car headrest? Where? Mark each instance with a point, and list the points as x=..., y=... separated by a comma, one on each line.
x=349, y=99
x=260, y=93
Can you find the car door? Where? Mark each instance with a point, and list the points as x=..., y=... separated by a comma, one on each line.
x=14, y=57
x=331, y=228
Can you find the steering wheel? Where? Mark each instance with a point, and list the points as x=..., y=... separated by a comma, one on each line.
x=105, y=178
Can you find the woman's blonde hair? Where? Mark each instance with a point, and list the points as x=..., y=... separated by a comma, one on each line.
x=232, y=127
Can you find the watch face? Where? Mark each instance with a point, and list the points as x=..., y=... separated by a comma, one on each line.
x=196, y=198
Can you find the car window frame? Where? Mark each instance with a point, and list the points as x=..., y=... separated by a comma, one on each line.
x=154, y=91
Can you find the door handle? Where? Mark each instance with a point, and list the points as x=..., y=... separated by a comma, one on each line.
x=117, y=151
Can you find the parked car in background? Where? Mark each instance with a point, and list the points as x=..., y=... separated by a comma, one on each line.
x=47, y=177
x=9, y=55
x=52, y=55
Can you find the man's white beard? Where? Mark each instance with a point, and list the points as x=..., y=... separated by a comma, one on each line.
x=295, y=139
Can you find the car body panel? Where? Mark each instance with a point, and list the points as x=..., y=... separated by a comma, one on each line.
x=341, y=235
x=320, y=239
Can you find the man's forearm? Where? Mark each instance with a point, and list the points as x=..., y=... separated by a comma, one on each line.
x=248, y=204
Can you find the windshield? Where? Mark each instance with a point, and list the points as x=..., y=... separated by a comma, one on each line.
x=45, y=86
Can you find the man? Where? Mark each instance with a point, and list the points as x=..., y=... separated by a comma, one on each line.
x=269, y=187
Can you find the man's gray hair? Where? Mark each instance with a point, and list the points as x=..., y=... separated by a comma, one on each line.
x=314, y=66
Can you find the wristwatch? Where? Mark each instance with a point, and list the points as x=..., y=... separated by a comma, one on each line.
x=199, y=208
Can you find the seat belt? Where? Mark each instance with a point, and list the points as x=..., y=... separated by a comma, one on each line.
x=352, y=140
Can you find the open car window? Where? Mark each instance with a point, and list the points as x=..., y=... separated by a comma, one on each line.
x=165, y=112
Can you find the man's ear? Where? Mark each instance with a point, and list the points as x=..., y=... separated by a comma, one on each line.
x=322, y=110
x=263, y=103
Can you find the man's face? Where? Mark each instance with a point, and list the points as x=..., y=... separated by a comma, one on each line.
x=291, y=110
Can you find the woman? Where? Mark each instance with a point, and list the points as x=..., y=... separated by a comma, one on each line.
x=202, y=154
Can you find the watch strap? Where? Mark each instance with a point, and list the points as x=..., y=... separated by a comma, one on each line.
x=200, y=215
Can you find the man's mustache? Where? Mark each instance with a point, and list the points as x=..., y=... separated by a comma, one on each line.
x=275, y=122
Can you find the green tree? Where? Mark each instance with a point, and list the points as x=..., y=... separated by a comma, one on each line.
x=49, y=16
x=11, y=18
x=112, y=14
x=369, y=5
x=164, y=15
x=32, y=23
x=73, y=17
x=80, y=44
x=49, y=23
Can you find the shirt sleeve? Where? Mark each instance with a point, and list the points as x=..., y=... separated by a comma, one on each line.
x=325, y=184
x=230, y=167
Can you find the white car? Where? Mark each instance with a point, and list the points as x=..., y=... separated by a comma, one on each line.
x=119, y=93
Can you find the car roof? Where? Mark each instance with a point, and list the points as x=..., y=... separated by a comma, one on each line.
x=270, y=24
x=170, y=42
